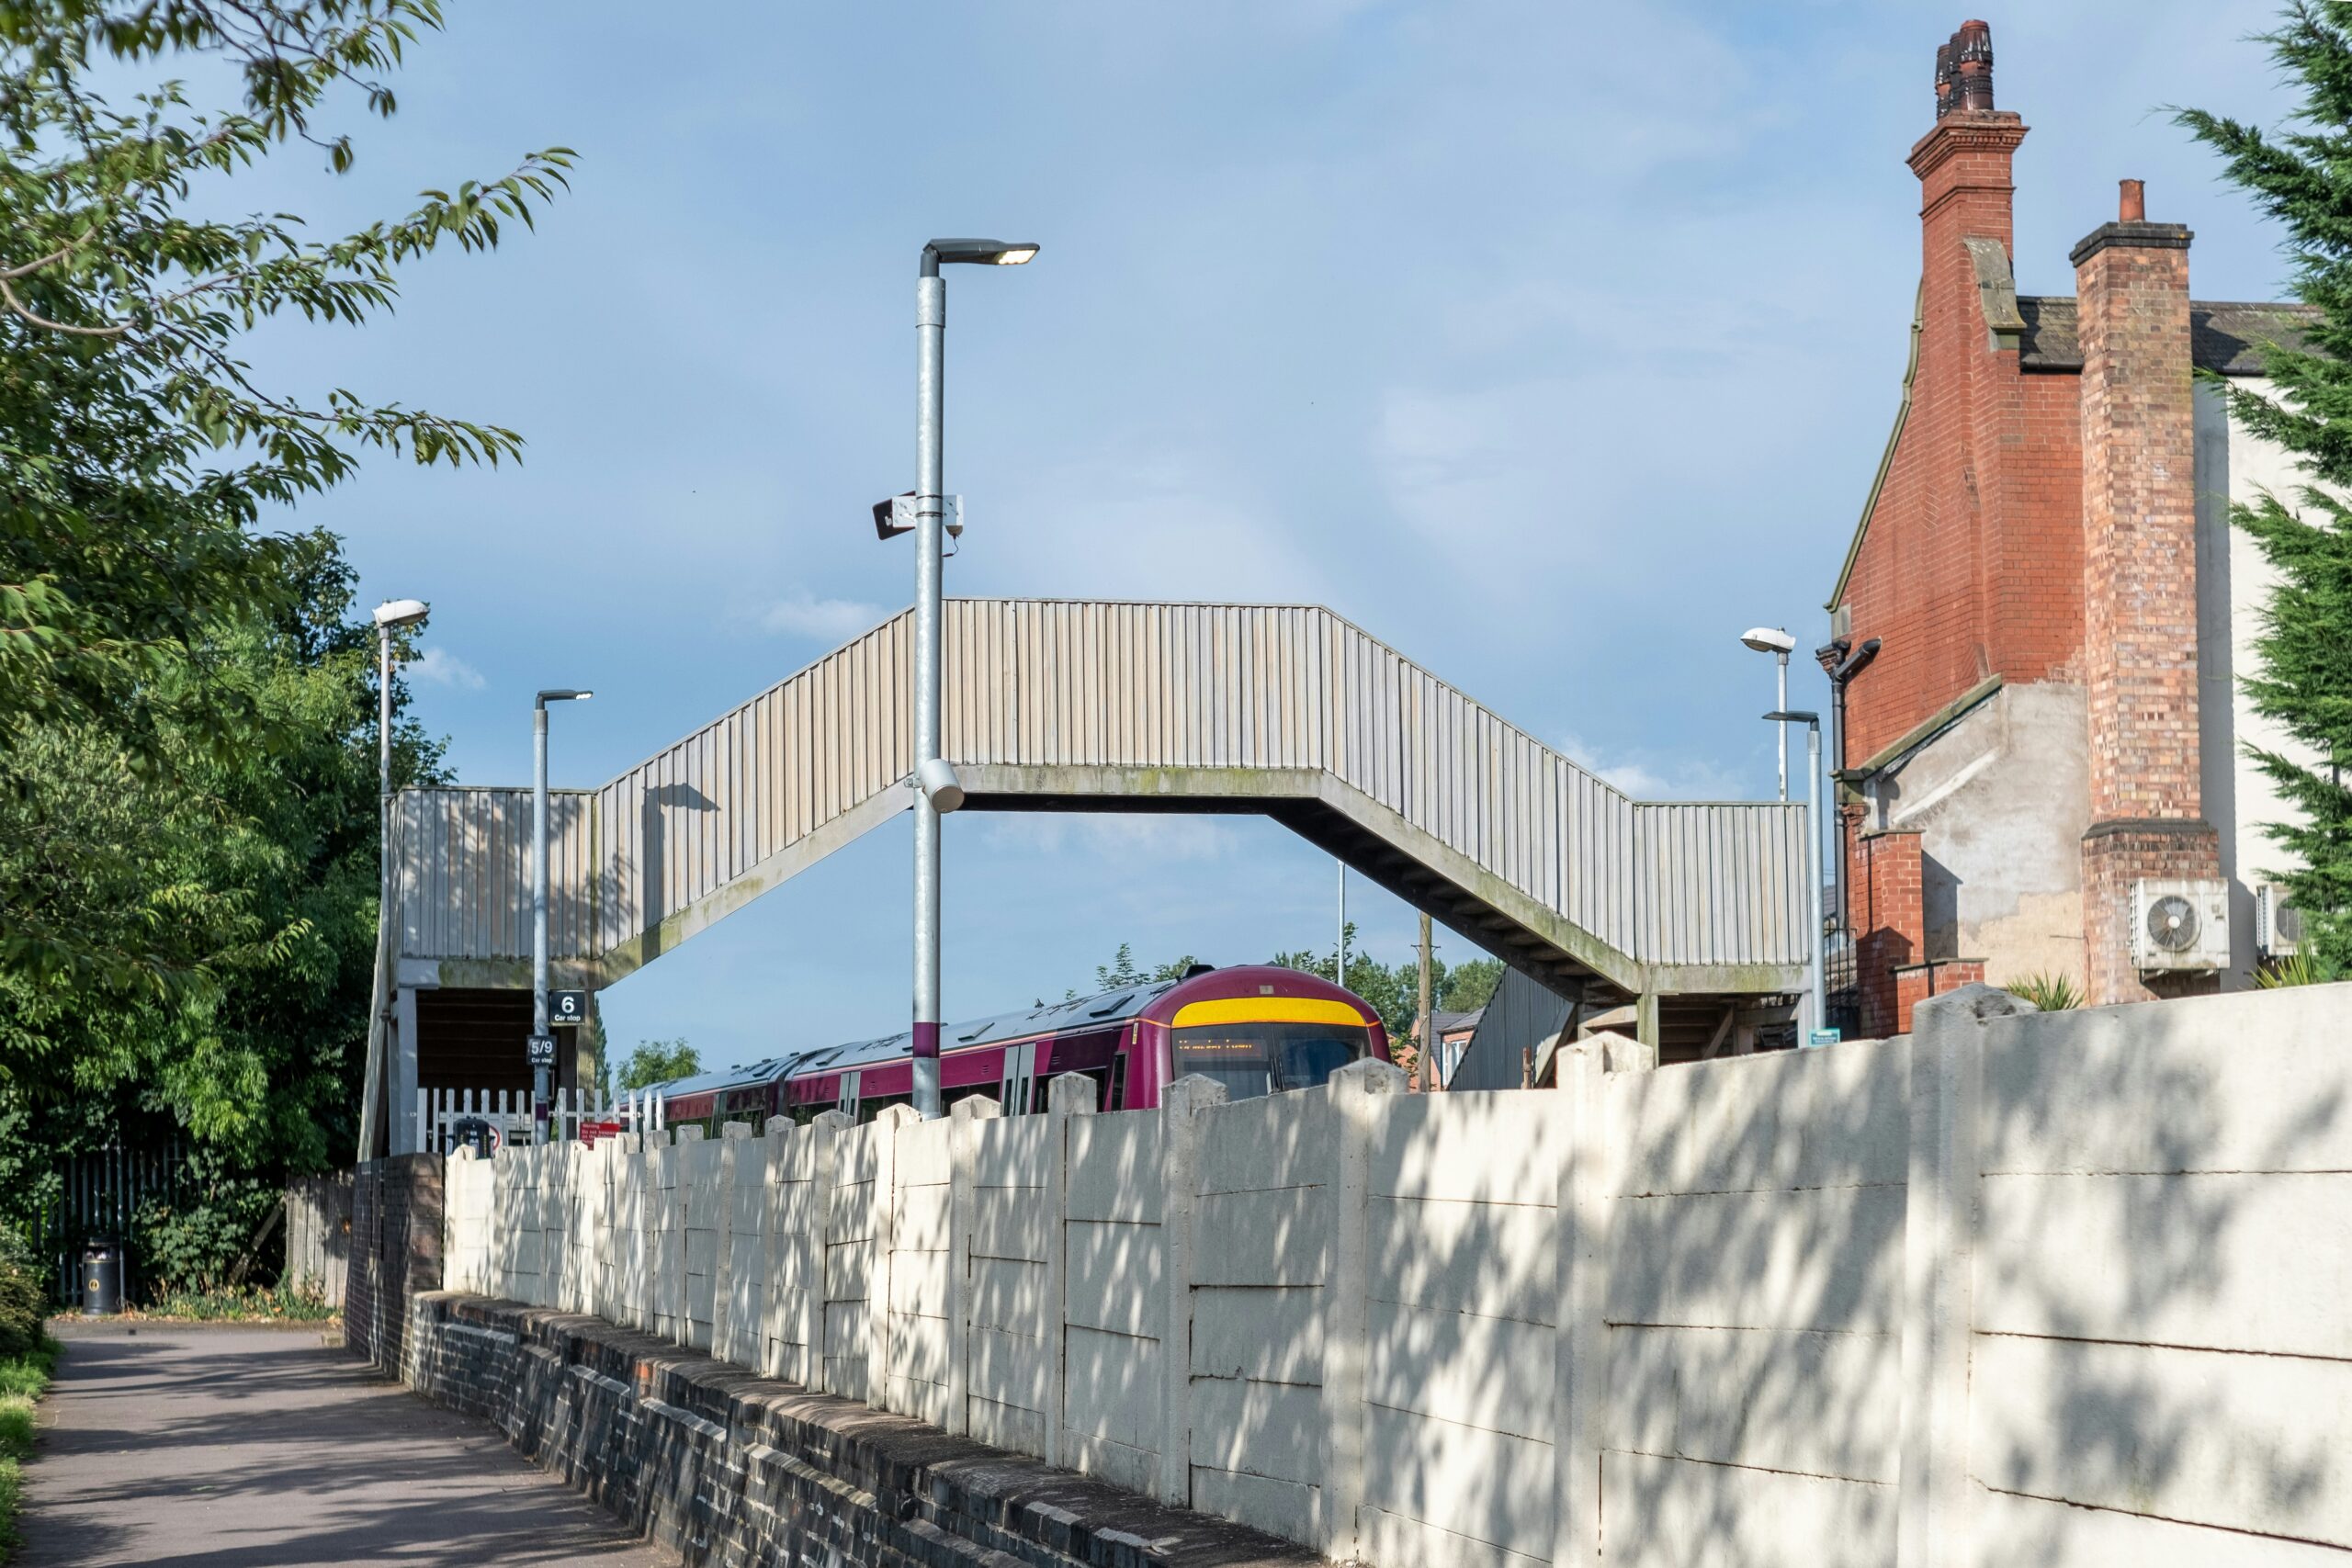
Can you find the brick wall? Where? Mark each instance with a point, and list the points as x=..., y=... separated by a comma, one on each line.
x=1970, y=563
x=395, y=1252
x=731, y=1468
x=1886, y=891
x=2139, y=586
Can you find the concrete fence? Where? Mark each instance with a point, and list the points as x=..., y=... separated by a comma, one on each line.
x=2068, y=1289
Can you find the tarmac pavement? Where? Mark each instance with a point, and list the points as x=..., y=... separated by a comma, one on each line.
x=233, y=1446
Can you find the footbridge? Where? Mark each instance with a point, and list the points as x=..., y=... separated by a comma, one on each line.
x=1287, y=711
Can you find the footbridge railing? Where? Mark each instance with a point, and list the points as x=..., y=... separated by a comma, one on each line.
x=1100, y=706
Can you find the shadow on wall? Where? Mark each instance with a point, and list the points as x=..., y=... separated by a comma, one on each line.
x=1361, y=1319
x=655, y=850
x=2158, y=1327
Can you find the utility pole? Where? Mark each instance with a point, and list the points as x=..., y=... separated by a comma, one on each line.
x=1339, y=963
x=1422, y=1028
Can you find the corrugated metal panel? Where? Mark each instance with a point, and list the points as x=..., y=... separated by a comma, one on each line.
x=462, y=872
x=1065, y=683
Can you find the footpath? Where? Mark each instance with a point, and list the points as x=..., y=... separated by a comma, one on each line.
x=224, y=1447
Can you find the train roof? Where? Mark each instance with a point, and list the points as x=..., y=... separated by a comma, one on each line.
x=1100, y=1010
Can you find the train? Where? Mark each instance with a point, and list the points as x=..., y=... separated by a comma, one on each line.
x=1257, y=1029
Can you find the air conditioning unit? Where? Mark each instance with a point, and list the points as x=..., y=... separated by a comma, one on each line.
x=2181, y=923
x=2277, y=925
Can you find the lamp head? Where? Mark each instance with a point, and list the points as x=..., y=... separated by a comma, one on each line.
x=1794, y=715
x=401, y=613
x=936, y=778
x=981, y=252
x=563, y=695
x=1768, y=640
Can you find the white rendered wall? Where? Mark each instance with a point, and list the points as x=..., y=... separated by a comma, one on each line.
x=2071, y=1288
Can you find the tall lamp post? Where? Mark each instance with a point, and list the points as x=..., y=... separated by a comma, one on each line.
x=1818, y=987
x=390, y=616
x=936, y=789
x=1772, y=640
x=542, y=1054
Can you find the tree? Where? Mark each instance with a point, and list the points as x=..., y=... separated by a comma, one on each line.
x=140, y=459
x=658, y=1061
x=1470, y=985
x=2302, y=177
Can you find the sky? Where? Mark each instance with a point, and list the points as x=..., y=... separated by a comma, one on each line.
x=1553, y=344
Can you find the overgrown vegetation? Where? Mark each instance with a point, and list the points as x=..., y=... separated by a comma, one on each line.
x=2302, y=176
x=2047, y=990
x=187, y=819
x=299, y=1301
x=27, y=1358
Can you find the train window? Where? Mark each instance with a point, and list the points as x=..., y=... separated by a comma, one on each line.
x=1262, y=1058
x=1118, y=1100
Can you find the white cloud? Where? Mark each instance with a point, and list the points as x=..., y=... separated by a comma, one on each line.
x=820, y=620
x=1646, y=774
x=439, y=667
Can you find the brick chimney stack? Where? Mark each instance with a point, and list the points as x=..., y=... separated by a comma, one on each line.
x=2139, y=579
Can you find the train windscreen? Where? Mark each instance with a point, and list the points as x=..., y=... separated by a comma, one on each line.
x=1261, y=1058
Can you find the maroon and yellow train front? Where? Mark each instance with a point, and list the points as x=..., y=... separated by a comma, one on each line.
x=1257, y=1029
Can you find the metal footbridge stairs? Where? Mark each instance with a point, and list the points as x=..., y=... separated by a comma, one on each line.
x=1288, y=711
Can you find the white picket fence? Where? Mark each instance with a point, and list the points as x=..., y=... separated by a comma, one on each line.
x=438, y=1112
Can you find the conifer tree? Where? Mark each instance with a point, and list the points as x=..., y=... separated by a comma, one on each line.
x=2301, y=174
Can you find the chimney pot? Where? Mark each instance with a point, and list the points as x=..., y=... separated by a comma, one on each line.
x=1943, y=79
x=1972, y=57
x=2134, y=206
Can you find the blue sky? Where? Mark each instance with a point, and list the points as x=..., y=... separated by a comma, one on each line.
x=1552, y=343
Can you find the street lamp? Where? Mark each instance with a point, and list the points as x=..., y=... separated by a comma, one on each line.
x=391, y=614
x=542, y=1046
x=1812, y=722
x=1772, y=640
x=936, y=789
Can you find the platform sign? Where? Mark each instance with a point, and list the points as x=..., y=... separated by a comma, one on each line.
x=567, y=1008
x=1826, y=1037
x=542, y=1048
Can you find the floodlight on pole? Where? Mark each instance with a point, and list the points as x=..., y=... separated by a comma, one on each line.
x=1780, y=644
x=937, y=790
x=1817, y=990
x=401, y=613
x=540, y=1069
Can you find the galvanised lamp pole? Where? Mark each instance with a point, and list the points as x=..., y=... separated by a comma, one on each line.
x=1818, y=988
x=936, y=789
x=539, y=1070
x=390, y=616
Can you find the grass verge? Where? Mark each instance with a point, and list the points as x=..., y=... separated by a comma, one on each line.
x=22, y=1380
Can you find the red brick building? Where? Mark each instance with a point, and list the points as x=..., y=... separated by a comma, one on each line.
x=2041, y=763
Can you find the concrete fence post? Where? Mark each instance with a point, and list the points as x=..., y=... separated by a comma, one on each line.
x=881, y=1256
x=1182, y=1126
x=722, y=1264
x=1356, y=1091
x=965, y=1118
x=1580, y=1373
x=673, y=1239
x=824, y=1177
x=1938, y=1271
x=646, y=1251
x=597, y=1218
x=1068, y=1095
x=775, y=1329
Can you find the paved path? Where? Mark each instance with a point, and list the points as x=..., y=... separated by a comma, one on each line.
x=225, y=1448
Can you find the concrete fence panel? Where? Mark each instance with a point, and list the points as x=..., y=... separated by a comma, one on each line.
x=2067, y=1290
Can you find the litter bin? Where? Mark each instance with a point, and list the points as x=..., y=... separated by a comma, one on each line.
x=101, y=1278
